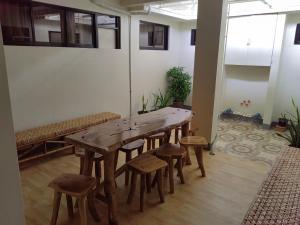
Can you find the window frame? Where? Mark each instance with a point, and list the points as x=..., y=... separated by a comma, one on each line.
x=297, y=35
x=64, y=28
x=166, y=37
x=193, y=37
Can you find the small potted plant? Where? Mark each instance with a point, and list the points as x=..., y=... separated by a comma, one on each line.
x=283, y=121
x=179, y=85
x=161, y=100
x=293, y=127
x=144, y=105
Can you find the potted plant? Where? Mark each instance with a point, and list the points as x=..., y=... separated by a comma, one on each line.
x=179, y=86
x=293, y=127
x=144, y=105
x=161, y=100
x=283, y=121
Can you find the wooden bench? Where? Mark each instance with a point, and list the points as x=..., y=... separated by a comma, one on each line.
x=47, y=141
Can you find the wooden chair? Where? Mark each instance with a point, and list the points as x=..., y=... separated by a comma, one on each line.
x=78, y=186
x=128, y=149
x=144, y=165
x=79, y=152
x=151, y=140
x=198, y=143
x=169, y=152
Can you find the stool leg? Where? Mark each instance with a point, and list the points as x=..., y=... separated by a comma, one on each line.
x=171, y=174
x=132, y=187
x=148, y=182
x=148, y=144
x=56, y=204
x=128, y=158
x=81, y=165
x=92, y=208
x=154, y=181
x=199, y=156
x=82, y=211
x=179, y=168
x=140, y=150
x=176, y=136
x=142, y=192
x=70, y=206
x=160, y=142
x=153, y=143
x=166, y=171
x=98, y=173
x=159, y=185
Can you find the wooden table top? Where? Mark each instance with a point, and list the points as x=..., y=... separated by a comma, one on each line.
x=110, y=136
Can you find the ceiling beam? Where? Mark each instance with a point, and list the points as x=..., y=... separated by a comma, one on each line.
x=128, y=3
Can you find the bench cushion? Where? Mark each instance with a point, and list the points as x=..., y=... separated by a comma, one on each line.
x=51, y=131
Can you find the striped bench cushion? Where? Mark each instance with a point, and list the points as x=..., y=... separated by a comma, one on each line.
x=51, y=131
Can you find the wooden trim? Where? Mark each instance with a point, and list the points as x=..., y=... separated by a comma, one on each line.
x=297, y=35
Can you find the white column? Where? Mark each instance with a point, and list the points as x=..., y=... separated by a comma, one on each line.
x=209, y=57
x=11, y=204
x=274, y=71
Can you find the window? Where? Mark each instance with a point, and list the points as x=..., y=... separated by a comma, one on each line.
x=109, y=33
x=80, y=30
x=193, y=37
x=48, y=25
x=297, y=38
x=40, y=24
x=16, y=22
x=153, y=36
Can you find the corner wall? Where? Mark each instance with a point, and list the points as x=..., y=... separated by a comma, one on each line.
x=289, y=72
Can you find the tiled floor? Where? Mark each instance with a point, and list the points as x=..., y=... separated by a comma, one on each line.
x=248, y=140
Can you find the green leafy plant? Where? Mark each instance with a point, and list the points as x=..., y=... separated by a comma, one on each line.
x=161, y=100
x=293, y=136
x=144, y=104
x=180, y=84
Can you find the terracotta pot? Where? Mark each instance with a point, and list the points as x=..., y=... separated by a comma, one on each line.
x=178, y=104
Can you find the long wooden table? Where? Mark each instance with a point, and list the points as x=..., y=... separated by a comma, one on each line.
x=107, y=138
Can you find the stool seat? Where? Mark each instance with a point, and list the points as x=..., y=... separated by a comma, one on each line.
x=73, y=184
x=133, y=145
x=170, y=151
x=146, y=163
x=194, y=141
x=80, y=152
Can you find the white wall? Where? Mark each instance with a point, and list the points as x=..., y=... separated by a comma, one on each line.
x=149, y=67
x=245, y=83
x=11, y=207
x=49, y=84
x=289, y=73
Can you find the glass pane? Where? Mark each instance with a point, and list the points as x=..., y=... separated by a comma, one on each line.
x=80, y=29
x=16, y=25
x=107, y=38
x=47, y=24
x=106, y=21
x=146, y=35
x=159, y=36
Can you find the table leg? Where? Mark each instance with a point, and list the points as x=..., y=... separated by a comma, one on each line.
x=185, y=132
x=110, y=187
x=87, y=170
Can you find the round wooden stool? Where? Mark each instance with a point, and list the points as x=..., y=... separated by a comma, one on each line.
x=144, y=165
x=198, y=143
x=80, y=152
x=128, y=149
x=151, y=140
x=169, y=152
x=78, y=186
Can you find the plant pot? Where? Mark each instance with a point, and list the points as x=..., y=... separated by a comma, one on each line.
x=282, y=122
x=142, y=112
x=178, y=104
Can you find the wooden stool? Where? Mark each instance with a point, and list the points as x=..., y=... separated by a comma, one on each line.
x=169, y=152
x=198, y=143
x=151, y=140
x=144, y=165
x=128, y=149
x=80, y=152
x=78, y=186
